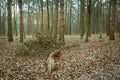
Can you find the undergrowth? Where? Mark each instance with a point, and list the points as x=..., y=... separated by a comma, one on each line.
x=40, y=44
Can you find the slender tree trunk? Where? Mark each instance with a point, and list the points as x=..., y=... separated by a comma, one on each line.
x=48, y=20
x=70, y=29
x=10, y=36
x=28, y=19
x=101, y=19
x=118, y=23
x=89, y=20
x=37, y=17
x=93, y=23
x=118, y=29
x=104, y=19
x=82, y=25
x=78, y=18
x=66, y=17
x=56, y=20
x=112, y=20
x=0, y=23
x=61, y=27
x=97, y=19
x=15, y=21
x=37, y=22
x=21, y=21
x=108, y=20
x=3, y=22
x=51, y=13
x=41, y=15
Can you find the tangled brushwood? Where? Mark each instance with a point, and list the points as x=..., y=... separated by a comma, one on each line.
x=37, y=45
x=44, y=38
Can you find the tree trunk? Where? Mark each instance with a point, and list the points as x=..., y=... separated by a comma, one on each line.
x=41, y=15
x=93, y=21
x=37, y=17
x=15, y=21
x=48, y=20
x=10, y=36
x=101, y=19
x=0, y=23
x=78, y=18
x=3, y=22
x=70, y=30
x=51, y=18
x=56, y=20
x=28, y=19
x=21, y=21
x=82, y=25
x=108, y=20
x=118, y=26
x=61, y=27
x=112, y=20
x=118, y=23
x=89, y=20
x=66, y=17
x=97, y=19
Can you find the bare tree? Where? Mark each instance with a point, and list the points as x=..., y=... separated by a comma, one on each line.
x=41, y=26
x=10, y=36
x=89, y=19
x=21, y=21
x=48, y=20
x=82, y=25
x=61, y=27
x=112, y=19
x=56, y=20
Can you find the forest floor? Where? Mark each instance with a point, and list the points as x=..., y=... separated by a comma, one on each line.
x=98, y=59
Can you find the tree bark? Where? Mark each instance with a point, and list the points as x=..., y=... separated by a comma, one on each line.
x=10, y=36
x=70, y=28
x=82, y=25
x=15, y=21
x=3, y=22
x=0, y=23
x=89, y=20
x=112, y=20
x=108, y=20
x=48, y=20
x=21, y=21
x=101, y=19
x=28, y=19
x=51, y=15
x=61, y=27
x=41, y=27
x=56, y=20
